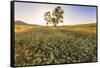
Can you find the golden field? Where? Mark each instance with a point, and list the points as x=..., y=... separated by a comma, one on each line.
x=81, y=27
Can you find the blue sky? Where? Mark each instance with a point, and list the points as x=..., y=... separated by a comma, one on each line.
x=33, y=13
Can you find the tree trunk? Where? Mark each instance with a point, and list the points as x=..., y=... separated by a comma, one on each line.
x=47, y=23
x=55, y=25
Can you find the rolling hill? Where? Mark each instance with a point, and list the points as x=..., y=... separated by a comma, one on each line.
x=21, y=26
x=20, y=23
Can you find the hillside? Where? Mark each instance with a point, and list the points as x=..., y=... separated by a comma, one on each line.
x=91, y=27
x=20, y=23
x=21, y=26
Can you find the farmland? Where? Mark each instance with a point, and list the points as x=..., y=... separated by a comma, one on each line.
x=39, y=45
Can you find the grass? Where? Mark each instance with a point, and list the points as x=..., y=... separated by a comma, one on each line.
x=21, y=28
x=54, y=45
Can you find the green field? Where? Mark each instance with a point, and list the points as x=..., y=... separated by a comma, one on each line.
x=41, y=45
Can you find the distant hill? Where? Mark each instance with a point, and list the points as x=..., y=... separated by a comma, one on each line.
x=20, y=23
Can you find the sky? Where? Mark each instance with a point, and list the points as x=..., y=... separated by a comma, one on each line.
x=33, y=13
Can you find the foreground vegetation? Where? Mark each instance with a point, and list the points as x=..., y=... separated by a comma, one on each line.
x=46, y=45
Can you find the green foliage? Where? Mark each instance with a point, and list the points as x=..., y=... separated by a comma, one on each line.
x=56, y=17
x=47, y=17
x=54, y=46
x=58, y=14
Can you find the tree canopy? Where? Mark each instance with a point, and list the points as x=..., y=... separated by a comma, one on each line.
x=55, y=17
